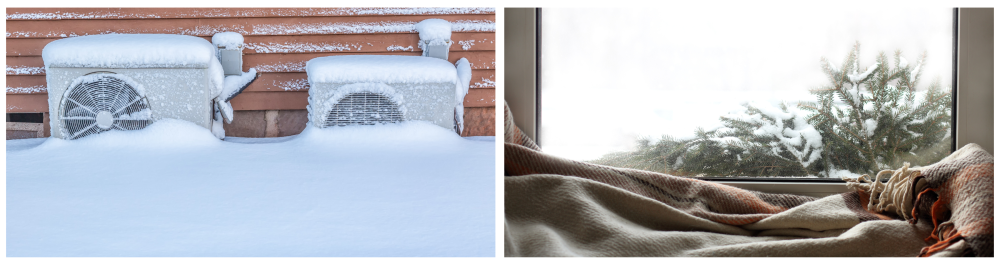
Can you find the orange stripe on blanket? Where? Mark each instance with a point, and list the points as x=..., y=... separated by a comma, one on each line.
x=749, y=199
x=930, y=250
x=915, y=207
x=760, y=208
x=945, y=233
x=938, y=209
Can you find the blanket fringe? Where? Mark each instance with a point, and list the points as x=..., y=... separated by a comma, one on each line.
x=893, y=196
x=940, y=245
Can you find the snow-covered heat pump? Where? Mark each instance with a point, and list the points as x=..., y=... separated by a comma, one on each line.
x=128, y=81
x=377, y=89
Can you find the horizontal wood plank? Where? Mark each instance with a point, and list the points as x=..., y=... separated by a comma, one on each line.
x=480, y=97
x=278, y=82
x=27, y=103
x=296, y=62
x=300, y=82
x=25, y=61
x=464, y=41
x=26, y=84
x=360, y=43
x=168, y=13
x=481, y=80
x=246, y=26
x=271, y=100
x=25, y=70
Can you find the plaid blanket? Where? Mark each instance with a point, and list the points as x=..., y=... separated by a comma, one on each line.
x=560, y=207
x=956, y=195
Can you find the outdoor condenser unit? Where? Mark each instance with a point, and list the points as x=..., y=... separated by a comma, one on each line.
x=128, y=81
x=378, y=89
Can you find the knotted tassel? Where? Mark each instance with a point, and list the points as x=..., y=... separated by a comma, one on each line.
x=893, y=196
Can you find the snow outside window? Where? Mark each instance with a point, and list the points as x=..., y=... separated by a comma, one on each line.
x=822, y=92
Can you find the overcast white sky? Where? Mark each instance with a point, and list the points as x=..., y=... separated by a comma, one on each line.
x=612, y=75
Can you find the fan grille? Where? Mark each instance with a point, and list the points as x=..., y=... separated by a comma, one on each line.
x=101, y=104
x=364, y=108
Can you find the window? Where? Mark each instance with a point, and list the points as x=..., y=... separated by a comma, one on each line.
x=632, y=87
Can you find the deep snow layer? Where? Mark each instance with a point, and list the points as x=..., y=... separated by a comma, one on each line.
x=380, y=69
x=130, y=51
x=172, y=189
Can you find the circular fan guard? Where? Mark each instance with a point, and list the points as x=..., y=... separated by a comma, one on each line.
x=364, y=108
x=104, y=102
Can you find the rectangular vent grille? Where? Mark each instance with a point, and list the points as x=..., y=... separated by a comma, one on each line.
x=364, y=108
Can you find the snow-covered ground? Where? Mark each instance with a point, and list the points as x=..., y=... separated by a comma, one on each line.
x=172, y=189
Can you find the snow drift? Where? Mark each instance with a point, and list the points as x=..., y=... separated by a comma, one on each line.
x=173, y=189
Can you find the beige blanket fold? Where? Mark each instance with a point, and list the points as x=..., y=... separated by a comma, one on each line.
x=600, y=211
x=560, y=207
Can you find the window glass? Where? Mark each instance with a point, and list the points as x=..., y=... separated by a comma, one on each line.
x=816, y=92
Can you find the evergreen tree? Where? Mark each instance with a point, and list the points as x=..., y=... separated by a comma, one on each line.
x=864, y=122
x=762, y=141
x=876, y=119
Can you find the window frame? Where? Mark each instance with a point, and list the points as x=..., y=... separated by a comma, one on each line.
x=522, y=90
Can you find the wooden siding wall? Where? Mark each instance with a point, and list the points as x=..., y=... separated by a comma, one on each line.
x=279, y=42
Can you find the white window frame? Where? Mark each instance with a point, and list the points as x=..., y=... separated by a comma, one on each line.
x=973, y=86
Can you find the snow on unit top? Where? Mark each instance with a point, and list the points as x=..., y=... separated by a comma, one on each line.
x=380, y=68
x=434, y=29
x=228, y=40
x=130, y=51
